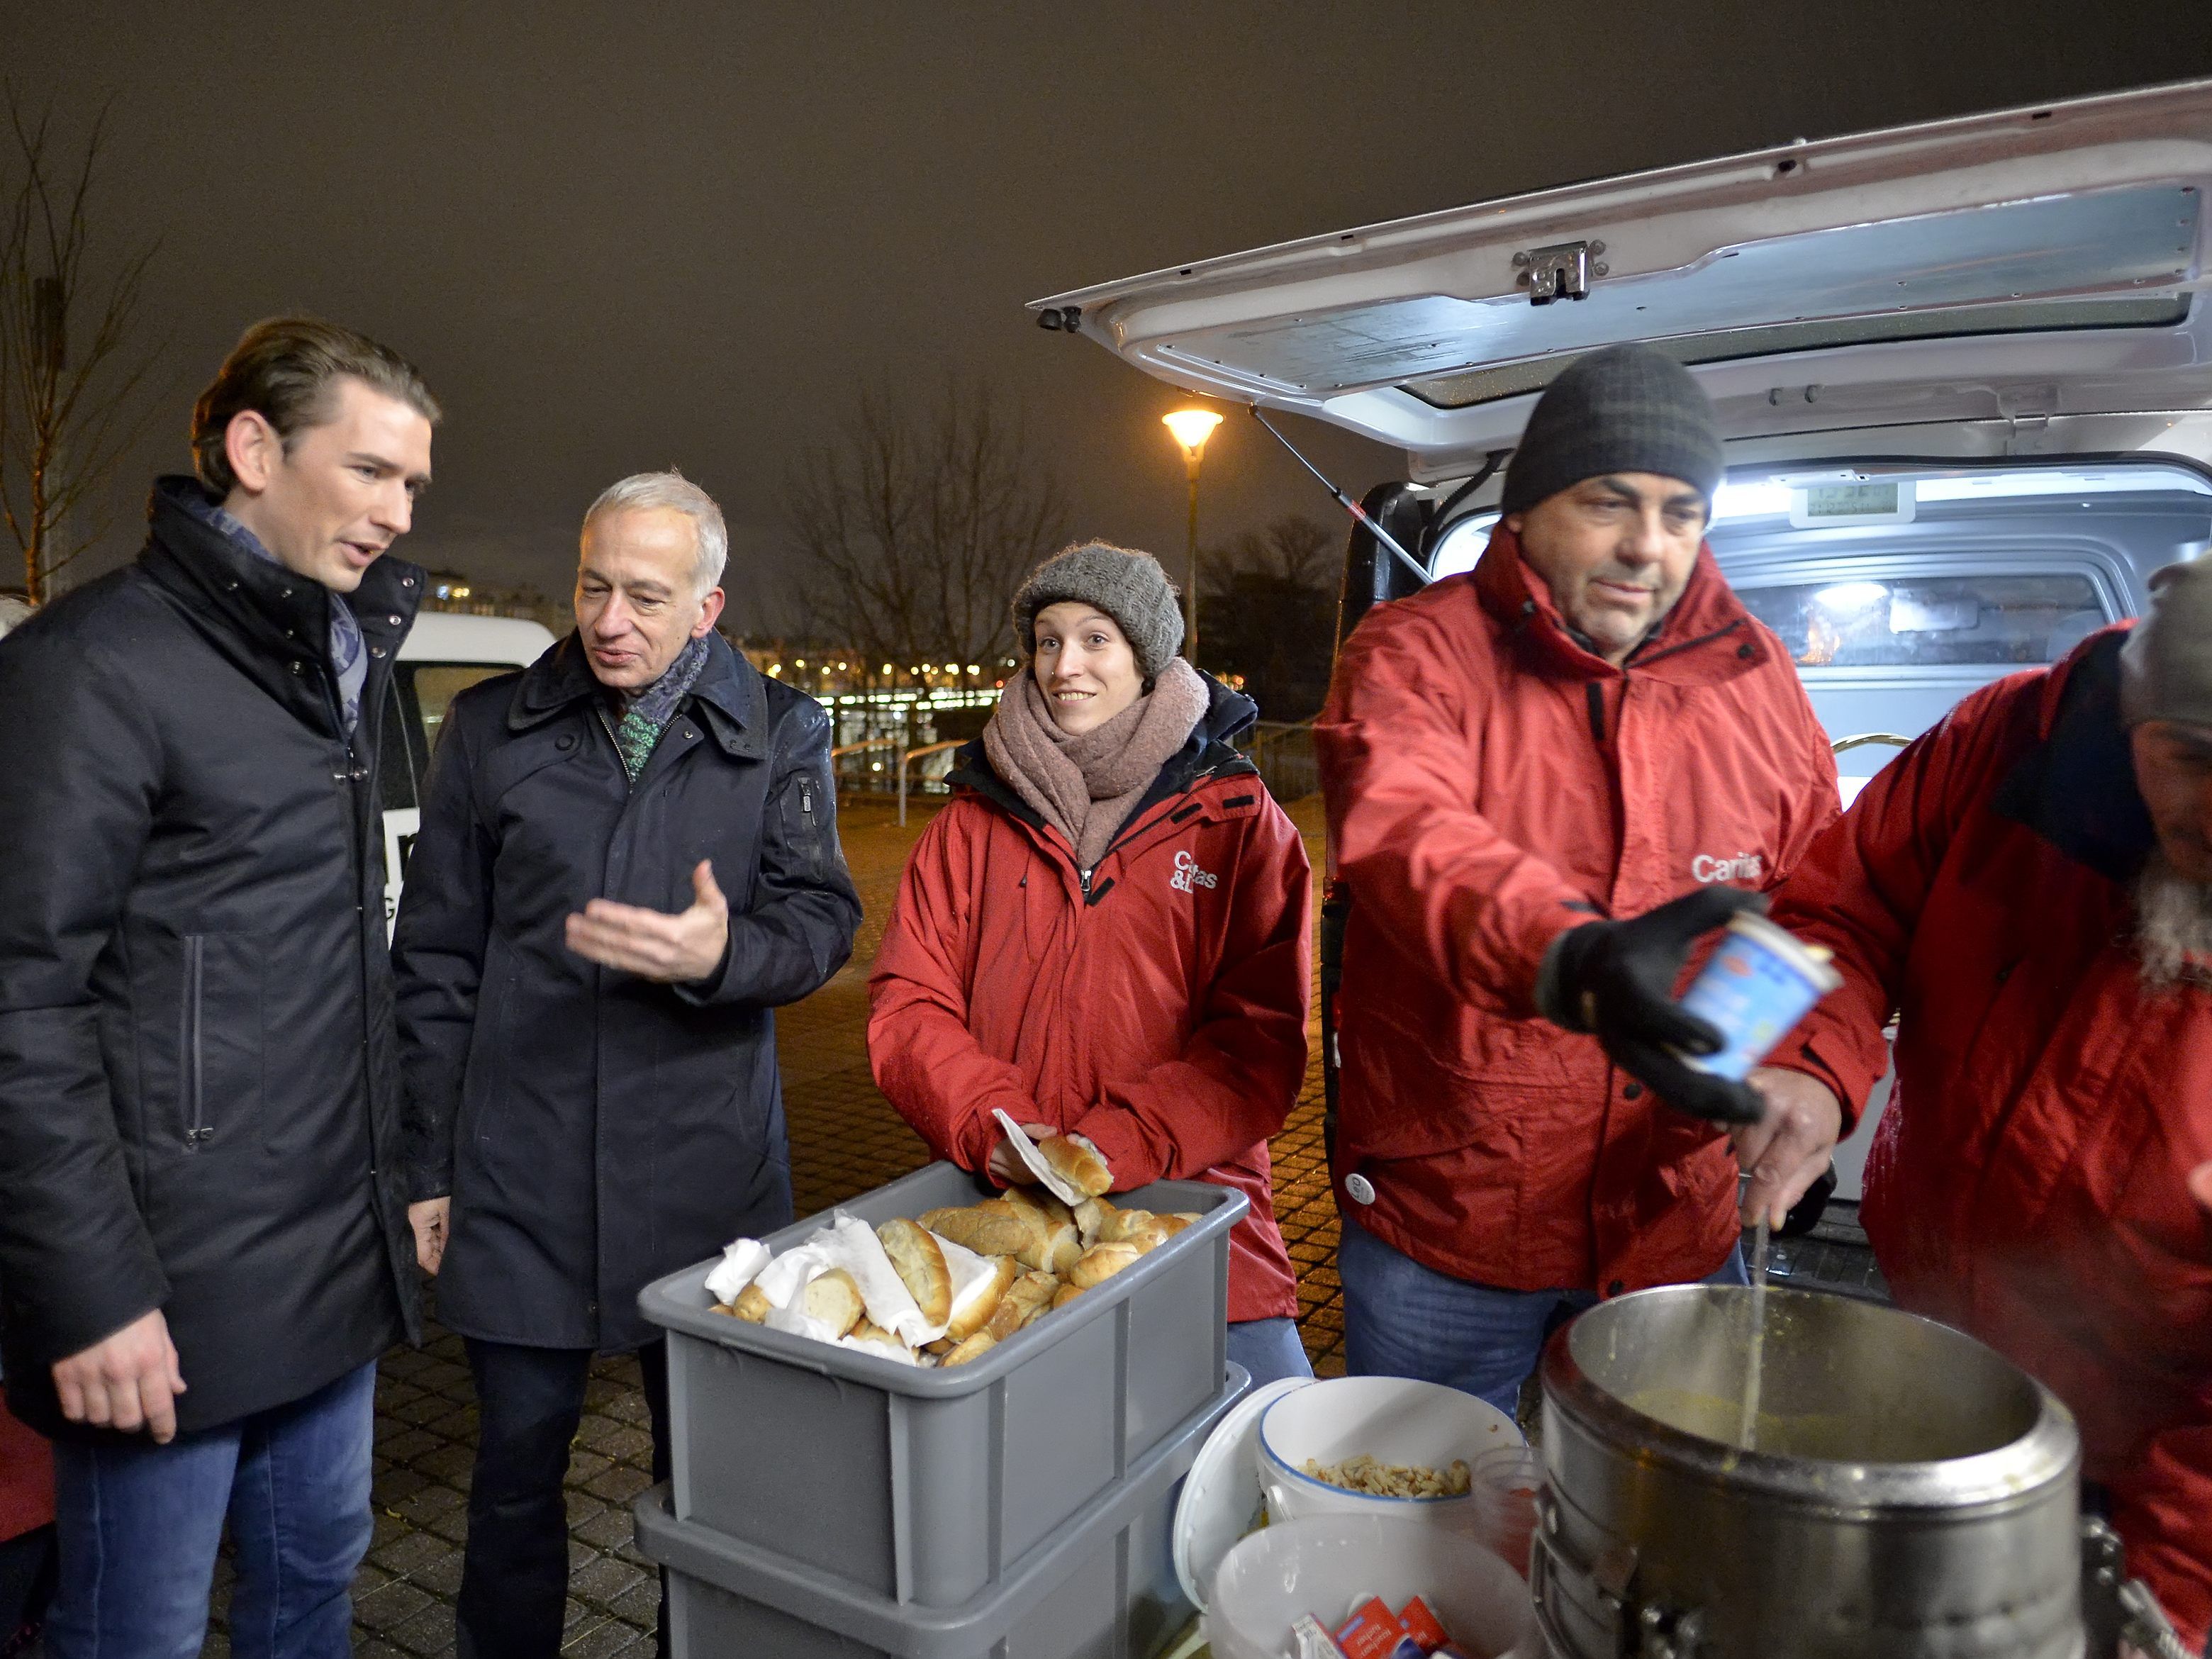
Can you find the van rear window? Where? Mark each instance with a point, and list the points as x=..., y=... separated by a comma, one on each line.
x=1928, y=622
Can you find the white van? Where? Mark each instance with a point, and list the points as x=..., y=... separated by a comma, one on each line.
x=1963, y=371
x=443, y=656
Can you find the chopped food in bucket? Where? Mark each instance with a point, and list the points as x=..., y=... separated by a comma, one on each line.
x=1363, y=1473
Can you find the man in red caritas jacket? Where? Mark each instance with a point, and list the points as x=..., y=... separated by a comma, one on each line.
x=1545, y=780
x=2029, y=888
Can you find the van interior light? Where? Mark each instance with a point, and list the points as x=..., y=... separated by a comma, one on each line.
x=1751, y=500
x=1845, y=598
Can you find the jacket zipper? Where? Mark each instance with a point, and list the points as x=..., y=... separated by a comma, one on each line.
x=197, y=1131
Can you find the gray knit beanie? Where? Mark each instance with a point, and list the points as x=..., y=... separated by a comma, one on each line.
x=1127, y=584
x=2165, y=667
x=1625, y=409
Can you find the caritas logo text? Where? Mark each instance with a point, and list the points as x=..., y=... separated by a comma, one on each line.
x=1744, y=866
x=1188, y=876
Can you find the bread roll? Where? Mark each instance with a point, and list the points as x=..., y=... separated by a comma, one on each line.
x=975, y=1347
x=1064, y=1295
x=875, y=1336
x=1123, y=1224
x=1101, y=1262
x=921, y=1268
x=1076, y=1161
x=752, y=1306
x=973, y=1315
x=1056, y=1240
x=1148, y=1237
x=994, y=1227
x=1025, y=1298
x=1092, y=1216
x=835, y=1299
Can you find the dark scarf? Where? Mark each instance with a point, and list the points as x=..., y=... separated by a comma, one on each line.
x=646, y=714
x=349, y=660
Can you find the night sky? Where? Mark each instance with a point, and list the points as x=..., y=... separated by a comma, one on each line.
x=621, y=237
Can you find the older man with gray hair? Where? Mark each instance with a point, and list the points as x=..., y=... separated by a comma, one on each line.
x=2029, y=887
x=628, y=858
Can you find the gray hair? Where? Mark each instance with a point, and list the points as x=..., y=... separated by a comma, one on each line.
x=645, y=491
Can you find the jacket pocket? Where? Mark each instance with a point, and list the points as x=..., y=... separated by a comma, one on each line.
x=1411, y=1090
x=806, y=818
x=219, y=1039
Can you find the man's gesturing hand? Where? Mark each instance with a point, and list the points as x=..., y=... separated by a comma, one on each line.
x=129, y=1380
x=1784, y=1152
x=652, y=943
x=429, y=1219
x=1616, y=979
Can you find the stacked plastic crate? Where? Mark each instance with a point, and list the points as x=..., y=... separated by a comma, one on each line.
x=828, y=1503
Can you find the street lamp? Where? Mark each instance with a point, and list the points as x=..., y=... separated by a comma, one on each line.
x=1192, y=428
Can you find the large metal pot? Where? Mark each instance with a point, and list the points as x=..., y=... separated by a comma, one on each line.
x=1912, y=1492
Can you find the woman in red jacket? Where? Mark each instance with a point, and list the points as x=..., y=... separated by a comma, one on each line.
x=1107, y=932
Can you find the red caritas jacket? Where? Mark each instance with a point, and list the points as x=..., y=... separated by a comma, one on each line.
x=1162, y=1013
x=1490, y=784
x=2026, y=1183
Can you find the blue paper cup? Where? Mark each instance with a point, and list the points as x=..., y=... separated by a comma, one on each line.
x=1758, y=984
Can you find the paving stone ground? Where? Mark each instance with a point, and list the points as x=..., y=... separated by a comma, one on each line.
x=845, y=1140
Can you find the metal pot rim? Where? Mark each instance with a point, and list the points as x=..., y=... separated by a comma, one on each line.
x=2014, y=1473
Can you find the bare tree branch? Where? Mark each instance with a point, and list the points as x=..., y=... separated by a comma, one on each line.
x=74, y=388
x=915, y=526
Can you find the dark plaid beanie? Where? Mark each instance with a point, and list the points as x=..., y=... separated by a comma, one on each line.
x=1625, y=409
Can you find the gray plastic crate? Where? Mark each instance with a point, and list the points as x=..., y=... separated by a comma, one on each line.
x=1101, y=1586
x=928, y=1486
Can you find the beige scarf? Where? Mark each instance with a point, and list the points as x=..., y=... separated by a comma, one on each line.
x=1086, y=784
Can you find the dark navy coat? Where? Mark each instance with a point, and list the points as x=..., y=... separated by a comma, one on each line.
x=199, y=1105
x=596, y=1130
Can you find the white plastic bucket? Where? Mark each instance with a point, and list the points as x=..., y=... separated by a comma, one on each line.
x=1321, y=1565
x=1393, y=1419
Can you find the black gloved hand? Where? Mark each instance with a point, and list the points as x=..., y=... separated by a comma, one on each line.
x=1616, y=979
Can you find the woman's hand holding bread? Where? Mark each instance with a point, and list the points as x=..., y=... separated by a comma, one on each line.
x=1006, y=1166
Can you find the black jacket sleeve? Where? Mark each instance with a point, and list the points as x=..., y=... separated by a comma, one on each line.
x=806, y=910
x=438, y=948
x=81, y=770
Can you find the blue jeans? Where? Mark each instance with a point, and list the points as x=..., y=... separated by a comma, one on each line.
x=1401, y=1319
x=138, y=1526
x=1269, y=1349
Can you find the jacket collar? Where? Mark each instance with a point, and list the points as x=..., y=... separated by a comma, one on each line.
x=1707, y=638
x=263, y=616
x=728, y=693
x=1209, y=752
x=2075, y=786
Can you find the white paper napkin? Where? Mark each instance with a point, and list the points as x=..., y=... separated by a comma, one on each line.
x=1066, y=1191
x=741, y=1263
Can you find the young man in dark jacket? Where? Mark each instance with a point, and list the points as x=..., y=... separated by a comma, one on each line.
x=629, y=857
x=203, y=1244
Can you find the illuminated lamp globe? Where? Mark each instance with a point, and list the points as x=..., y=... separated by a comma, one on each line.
x=1191, y=427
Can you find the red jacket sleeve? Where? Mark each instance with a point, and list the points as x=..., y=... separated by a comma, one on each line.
x=1235, y=1082
x=1395, y=769
x=925, y=1062
x=2160, y=1509
x=1860, y=889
